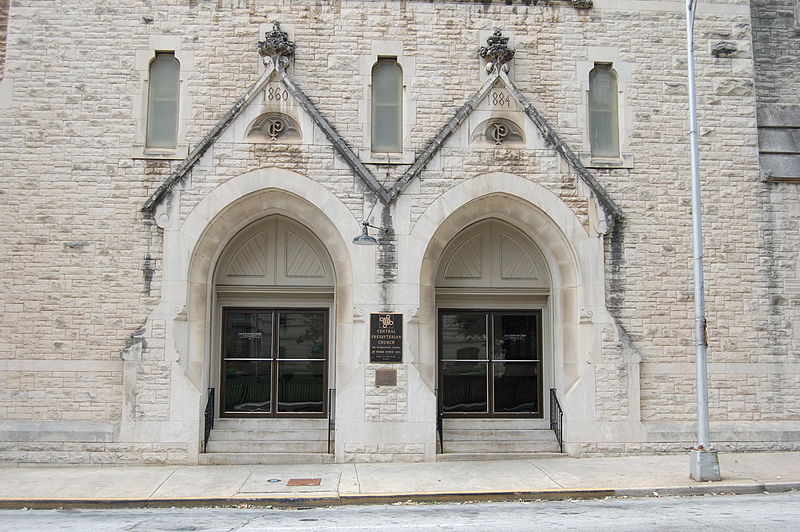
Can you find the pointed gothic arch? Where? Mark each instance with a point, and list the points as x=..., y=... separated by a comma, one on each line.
x=576, y=298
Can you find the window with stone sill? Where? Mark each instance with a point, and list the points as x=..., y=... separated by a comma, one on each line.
x=603, y=112
x=387, y=106
x=162, y=102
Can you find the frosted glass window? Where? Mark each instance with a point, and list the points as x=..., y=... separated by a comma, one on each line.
x=162, y=104
x=603, y=112
x=387, y=106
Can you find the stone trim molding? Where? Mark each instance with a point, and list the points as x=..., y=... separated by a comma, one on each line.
x=276, y=67
x=624, y=73
x=143, y=59
x=570, y=254
x=192, y=249
x=612, y=211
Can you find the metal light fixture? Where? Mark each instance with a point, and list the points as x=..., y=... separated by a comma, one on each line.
x=364, y=239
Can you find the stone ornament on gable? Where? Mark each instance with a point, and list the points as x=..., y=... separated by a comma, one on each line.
x=496, y=52
x=276, y=47
x=498, y=132
x=272, y=127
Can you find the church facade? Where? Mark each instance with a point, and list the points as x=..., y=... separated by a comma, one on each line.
x=250, y=231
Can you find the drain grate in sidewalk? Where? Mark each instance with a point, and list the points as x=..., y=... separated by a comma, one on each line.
x=304, y=482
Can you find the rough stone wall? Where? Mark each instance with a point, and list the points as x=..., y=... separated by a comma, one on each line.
x=776, y=28
x=3, y=33
x=776, y=31
x=76, y=248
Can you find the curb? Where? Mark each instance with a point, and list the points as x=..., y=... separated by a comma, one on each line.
x=710, y=489
x=306, y=502
x=398, y=498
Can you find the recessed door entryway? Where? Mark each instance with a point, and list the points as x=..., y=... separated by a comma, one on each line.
x=273, y=327
x=493, y=327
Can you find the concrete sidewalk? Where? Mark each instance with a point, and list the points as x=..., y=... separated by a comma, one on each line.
x=334, y=484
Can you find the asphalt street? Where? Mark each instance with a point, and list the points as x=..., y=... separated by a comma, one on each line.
x=773, y=512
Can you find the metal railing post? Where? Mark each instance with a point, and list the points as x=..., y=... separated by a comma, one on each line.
x=557, y=419
x=208, y=418
x=439, y=429
x=331, y=416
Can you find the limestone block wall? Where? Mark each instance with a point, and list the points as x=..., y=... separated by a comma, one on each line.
x=84, y=343
x=3, y=34
x=776, y=28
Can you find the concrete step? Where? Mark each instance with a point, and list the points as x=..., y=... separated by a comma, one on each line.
x=454, y=457
x=238, y=446
x=264, y=458
x=269, y=435
x=270, y=424
x=501, y=446
x=499, y=435
x=494, y=424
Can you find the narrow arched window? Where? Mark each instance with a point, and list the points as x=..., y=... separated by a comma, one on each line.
x=387, y=106
x=603, y=111
x=162, y=101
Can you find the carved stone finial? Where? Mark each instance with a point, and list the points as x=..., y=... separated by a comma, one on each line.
x=496, y=52
x=276, y=46
x=582, y=4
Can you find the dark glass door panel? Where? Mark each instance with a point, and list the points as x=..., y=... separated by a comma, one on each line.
x=515, y=337
x=464, y=387
x=248, y=335
x=463, y=336
x=301, y=335
x=516, y=386
x=501, y=377
x=274, y=362
x=301, y=386
x=247, y=386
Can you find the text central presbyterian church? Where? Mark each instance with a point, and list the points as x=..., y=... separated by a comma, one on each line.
x=251, y=231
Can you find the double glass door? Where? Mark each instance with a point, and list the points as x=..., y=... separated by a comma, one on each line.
x=274, y=362
x=490, y=363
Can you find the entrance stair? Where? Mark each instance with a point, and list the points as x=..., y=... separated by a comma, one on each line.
x=496, y=439
x=268, y=441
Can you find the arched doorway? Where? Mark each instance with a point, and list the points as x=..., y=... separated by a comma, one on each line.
x=493, y=325
x=494, y=344
x=273, y=288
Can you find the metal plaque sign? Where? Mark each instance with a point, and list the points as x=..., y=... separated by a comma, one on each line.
x=386, y=337
x=385, y=377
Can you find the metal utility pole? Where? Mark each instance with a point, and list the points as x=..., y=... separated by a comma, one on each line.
x=704, y=460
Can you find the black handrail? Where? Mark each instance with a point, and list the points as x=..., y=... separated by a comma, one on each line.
x=557, y=419
x=439, y=429
x=331, y=416
x=209, y=417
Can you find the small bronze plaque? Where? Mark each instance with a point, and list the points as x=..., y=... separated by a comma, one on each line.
x=303, y=482
x=385, y=377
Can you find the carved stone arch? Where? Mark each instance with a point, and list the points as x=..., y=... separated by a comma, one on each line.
x=574, y=259
x=274, y=127
x=492, y=254
x=497, y=131
x=274, y=251
x=193, y=247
